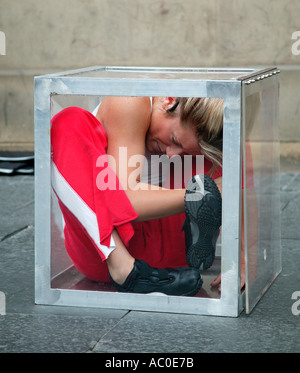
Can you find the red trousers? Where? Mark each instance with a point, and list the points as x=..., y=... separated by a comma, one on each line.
x=90, y=214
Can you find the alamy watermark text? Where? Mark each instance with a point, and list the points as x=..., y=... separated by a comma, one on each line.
x=296, y=44
x=2, y=44
x=132, y=168
x=296, y=305
x=2, y=303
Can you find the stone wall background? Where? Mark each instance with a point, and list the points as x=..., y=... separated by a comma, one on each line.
x=55, y=35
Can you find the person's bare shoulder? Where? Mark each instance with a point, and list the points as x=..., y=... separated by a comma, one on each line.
x=125, y=115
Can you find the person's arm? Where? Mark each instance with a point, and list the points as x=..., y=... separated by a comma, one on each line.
x=126, y=121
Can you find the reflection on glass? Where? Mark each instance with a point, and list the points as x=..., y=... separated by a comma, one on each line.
x=262, y=191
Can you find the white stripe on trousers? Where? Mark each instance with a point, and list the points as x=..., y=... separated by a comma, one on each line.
x=79, y=209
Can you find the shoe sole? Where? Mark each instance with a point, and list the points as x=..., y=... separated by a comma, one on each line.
x=204, y=209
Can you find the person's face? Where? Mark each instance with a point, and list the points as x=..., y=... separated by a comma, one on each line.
x=167, y=136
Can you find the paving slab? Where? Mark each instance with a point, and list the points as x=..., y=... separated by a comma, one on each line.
x=26, y=327
x=17, y=203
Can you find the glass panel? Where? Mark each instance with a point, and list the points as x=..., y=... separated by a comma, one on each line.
x=161, y=73
x=262, y=230
x=63, y=273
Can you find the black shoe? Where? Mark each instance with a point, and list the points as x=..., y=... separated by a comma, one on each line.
x=203, y=205
x=171, y=281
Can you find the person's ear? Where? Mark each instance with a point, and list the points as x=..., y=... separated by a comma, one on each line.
x=169, y=103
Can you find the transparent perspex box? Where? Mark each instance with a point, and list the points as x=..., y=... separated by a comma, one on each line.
x=250, y=185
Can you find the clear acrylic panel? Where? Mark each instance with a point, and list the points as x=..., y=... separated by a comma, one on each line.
x=63, y=273
x=118, y=72
x=261, y=188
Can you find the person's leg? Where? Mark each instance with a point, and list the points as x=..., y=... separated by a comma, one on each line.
x=77, y=141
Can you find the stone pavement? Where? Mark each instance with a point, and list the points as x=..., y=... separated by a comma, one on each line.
x=273, y=326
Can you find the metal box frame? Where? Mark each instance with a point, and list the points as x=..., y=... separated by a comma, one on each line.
x=234, y=86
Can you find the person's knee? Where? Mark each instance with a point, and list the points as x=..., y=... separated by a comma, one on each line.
x=67, y=117
x=67, y=123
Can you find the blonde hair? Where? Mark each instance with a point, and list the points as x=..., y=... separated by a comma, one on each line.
x=205, y=115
